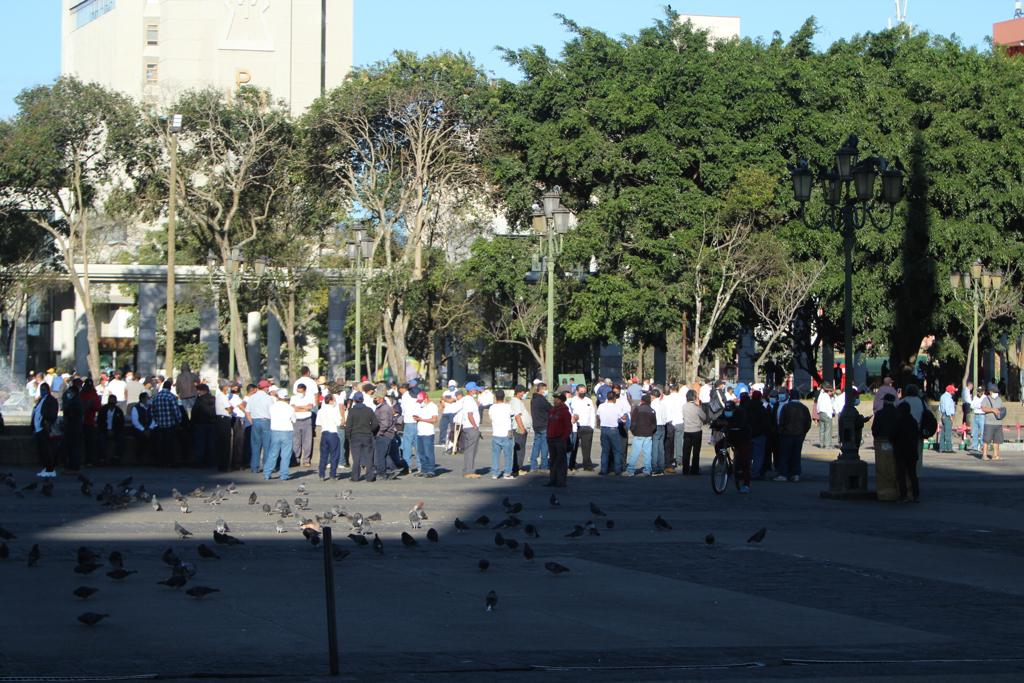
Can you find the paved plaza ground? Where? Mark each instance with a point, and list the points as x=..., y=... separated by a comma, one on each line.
x=838, y=590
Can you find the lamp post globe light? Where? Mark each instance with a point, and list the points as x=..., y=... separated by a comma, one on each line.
x=981, y=283
x=359, y=249
x=550, y=222
x=851, y=201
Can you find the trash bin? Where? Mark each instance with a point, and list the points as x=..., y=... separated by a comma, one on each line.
x=885, y=471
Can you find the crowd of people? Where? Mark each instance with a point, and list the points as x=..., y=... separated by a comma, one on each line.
x=388, y=430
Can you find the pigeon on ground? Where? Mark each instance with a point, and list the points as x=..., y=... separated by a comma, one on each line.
x=592, y=530
x=87, y=567
x=312, y=536
x=6, y=535
x=375, y=517
x=709, y=539
x=33, y=555
x=553, y=501
x=511, y=544
x=85, y=555
x=407, y=540
x=119, y=574
x=207, y=552
x=198, y=492
x=267, y=509
x=609, y=524
x=527, y=551
x=222, y=527
x=514, y=509
x=175, y=581
x=414, y=520
x=201, y=591
x=357, y=520
x=169, y=558
x=597, y=511
x=555, y=568
x=86, y=490
x=758, y=535
x=232, y=488
x=359, y=540
x=499, y=540
x=576, y=532
x=339, y=554
x=482, y=520
x=504, y=524
x=491, y=601
x=661, y=524
x=156, y=504
x=279, y=527
x=252, y=498
x=224, y=539
x=183, y=506
x=483, y=565
x=460, y=525
x=378, y=545
x=346, y=494
x=84, y=591
x=531, y=531
x=182, y=532
x=91, y=618
x=116, y=559
x=5, y=552
x=300, y=489
x=432, y=535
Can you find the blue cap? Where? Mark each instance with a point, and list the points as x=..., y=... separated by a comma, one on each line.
x=472, y=386
x=357, y=397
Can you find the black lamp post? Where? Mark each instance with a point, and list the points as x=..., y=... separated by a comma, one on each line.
x=851, y=201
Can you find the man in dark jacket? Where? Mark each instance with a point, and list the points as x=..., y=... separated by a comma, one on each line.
x=643, y=421
x=203, y=417
x=187, y=384
x=760, y=421
x=71, y=406
x=44, y=416
x=540, y=409
x=387, y=426
x=906, y=443
x=559, y=428
x=734, y=428
x=110, y=422
x=794, y=423
x=360, y=427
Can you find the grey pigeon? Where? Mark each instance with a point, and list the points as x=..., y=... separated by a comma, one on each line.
x=483, y=520
x=511, y=544
x=339, y=554
x=222, y=527
x=432, y=535
x=175, y=581
x=156, y=504
x=279, y=527
x=91, y=618
x=358, y=540
x=267, y=509
x=119, y=574
x=514, y=509
x=224, y=539
x=207, y=552
x=531, y=531
x=201, y=591
x=183, y=506
x=527, y=551
x=378, y=545
x=555, y=568
x=709, y=539
x=87, y=567
x=414, y=520
x=499, y=539
x=483, y=565
x=460, y=525
x=375, y=517
x=407, y=540
x=84, y=591
x=661, y=525
x=758, y=535
x=491, y=601
x=116, y=559
x=346, y=494
x=553, y=501
x=576, y=532
x=597, y=511
x=301, y=488
x=181, y=531
x=169, y=558
x=609, y=524
x=252, y=498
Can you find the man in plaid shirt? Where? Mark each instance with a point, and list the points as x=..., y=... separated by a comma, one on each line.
x=167, y=415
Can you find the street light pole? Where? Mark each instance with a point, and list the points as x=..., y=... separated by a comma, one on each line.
x=359, y=317
x=850, y=199
x=549, y=351
x=172, y=207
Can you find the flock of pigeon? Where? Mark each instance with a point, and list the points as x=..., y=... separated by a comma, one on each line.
x=183, y=571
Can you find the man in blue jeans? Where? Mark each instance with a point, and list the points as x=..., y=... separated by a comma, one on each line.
x=947, y=410
x=540, y=408
x=282, y=426
x=609, y=416
x=427, y=417
x=643, y=422
x=500, y=414
x=409, y=406
x=257, y=406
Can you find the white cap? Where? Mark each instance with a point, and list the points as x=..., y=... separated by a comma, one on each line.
x=282, y=393
x=452, y=383
x=538, y=381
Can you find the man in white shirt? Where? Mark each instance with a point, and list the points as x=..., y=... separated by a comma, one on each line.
x=609, y=417
x=118, y=389
x=660, y=420
x=239, y=425
x=469, y=420
x=328, y=419
x=977, y=419
x=307, y=381
x=302, y=434
x=407, y=402
x=449, y=408
x=426, y=418
x=704, y=393
x=500, y=414
x=282, y=419
x=677, y=399
x=258, y=408
x=584, y=419
x=826, y=411
x=521, y=426
x=486, y=399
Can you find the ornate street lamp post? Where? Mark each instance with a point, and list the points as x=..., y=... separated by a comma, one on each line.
x=849, y=189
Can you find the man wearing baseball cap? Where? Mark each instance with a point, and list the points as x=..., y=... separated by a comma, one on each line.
x=282, y=420
x=469, y=418
x=359, y=429
x=257, y=407
x=947, y=410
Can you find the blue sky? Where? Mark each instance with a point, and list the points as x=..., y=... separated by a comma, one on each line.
x=30, y=33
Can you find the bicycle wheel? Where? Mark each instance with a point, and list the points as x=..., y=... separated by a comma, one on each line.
x=720, y=473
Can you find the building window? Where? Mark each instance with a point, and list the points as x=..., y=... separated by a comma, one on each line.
x=152, y=34
x=90, y=10
x=152, y=72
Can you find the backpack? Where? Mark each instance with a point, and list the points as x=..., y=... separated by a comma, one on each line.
x=1002, y=409
x=929, y=425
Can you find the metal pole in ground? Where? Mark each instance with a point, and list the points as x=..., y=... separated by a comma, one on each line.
x=332, y=622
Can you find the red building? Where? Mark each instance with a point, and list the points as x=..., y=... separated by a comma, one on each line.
x=1011, y=34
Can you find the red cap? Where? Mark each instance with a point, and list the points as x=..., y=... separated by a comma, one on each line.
x=263, y=384
x=950, y=389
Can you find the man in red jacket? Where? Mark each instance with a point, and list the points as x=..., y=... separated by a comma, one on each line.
x=559, y=430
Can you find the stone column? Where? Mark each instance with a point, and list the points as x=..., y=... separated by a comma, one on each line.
x=337, y=310
x=209, y=336
x=660, y=371
x=20, y=344
x=803, y=356
x=151, y=295
x=611, y=362
x=253, y=325
x=828, y=362
x=747, y=356
x=860, y=371
x=273, y=347
x=67, y=338
x=81, y=338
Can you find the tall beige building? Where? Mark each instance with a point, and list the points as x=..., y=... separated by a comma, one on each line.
x=154, y=49
x=718, y=27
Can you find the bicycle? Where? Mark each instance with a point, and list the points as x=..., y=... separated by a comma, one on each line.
x=722, y=468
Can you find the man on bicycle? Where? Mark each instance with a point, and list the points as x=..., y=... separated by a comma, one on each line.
x=732, y=429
